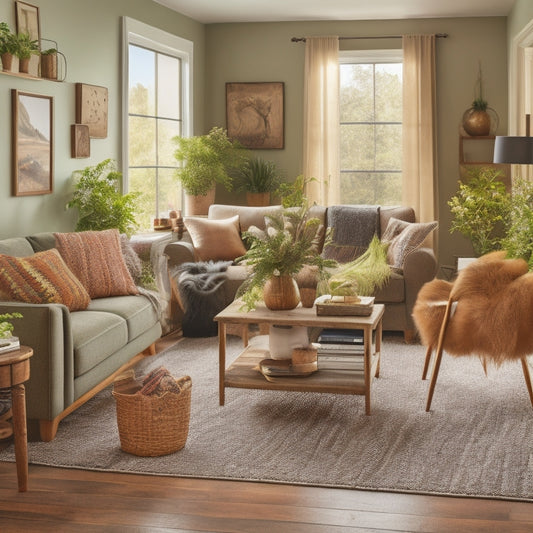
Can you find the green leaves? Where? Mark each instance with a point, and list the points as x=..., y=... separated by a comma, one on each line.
x=208, y=160
x=258, y=176
x=99, y=201
x=6, y=327
x=481, y=209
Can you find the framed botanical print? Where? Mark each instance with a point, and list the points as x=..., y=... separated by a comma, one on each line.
x=91, y=109
x=254, y=114
x=32, y=143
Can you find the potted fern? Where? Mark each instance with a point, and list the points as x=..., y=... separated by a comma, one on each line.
x=100, y=203
x=206, y=160
x=8, y=46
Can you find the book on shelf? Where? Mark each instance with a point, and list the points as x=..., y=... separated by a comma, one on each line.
x=341, y=336
x=343, y=364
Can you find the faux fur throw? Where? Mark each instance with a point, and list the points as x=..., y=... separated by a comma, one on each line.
x=201, y=295
x=493, y=315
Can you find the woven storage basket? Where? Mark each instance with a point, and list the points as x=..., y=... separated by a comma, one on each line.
x=150, y=426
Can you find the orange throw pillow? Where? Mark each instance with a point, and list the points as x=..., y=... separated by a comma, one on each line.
x=96, y=259
x=41, y=278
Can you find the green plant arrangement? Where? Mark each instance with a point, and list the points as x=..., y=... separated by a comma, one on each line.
x=99, y=201
x=49, y=52
x=8, y=44
x=258, y=176
x=26, y=46
x=481, y=209
x=6, y=327
x=208, y=160
x=293, y=194
x=362, y=276
x=286, y=246
x=518, y=240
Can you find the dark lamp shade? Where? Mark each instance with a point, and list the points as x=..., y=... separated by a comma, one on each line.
x=516, y=150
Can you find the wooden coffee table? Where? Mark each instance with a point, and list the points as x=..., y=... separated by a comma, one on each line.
x=243, y=372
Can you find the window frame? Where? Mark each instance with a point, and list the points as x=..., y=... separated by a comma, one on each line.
x=377, y=56
x=141, y=34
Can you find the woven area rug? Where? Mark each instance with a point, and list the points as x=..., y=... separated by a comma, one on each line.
x=476, y=441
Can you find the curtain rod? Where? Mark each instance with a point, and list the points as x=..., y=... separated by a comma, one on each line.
x=302, y=39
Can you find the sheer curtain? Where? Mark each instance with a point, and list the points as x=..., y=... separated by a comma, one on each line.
x=321, y=120
x=419, y=165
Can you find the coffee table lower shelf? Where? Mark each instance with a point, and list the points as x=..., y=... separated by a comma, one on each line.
x=244, y=373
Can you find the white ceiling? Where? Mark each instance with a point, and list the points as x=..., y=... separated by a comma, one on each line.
x=213, y=11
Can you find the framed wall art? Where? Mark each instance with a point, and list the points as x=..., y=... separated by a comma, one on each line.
x=27, y=17
x=32, y=143
x=255, y=114
x=80, y=142
x=91, y=109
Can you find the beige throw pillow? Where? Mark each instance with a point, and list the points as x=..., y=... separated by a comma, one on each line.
x=216, y=240
x=403, y=238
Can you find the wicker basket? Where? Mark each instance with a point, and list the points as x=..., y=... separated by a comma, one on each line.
x=150, y=426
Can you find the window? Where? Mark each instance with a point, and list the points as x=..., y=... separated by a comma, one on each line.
x=371, y=127
x=157, y=107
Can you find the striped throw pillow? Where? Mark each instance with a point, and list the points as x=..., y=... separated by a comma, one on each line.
x=40, y=279
x=95, y=258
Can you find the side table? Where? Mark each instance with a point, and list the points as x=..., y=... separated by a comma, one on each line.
x=14, y=371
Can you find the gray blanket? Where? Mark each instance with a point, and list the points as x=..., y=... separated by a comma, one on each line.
x=352, y=227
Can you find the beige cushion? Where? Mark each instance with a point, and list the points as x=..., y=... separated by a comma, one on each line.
x=216, y=240
x=96, y=259
x=41, y=278
x=403, y=238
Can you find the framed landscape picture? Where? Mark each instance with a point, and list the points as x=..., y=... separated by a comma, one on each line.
x=255, y=114
x=32, y=148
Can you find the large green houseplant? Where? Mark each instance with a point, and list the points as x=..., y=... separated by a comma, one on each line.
x=207, y=160
x=99, y=201
x=481, y=209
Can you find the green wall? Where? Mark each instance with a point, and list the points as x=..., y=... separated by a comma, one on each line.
x=89, y=34
x=519, y=17
x=264, y=52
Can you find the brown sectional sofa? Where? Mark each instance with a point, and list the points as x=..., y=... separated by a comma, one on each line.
x=399, y=295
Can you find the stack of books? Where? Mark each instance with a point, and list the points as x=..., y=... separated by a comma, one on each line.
x=341, y=349
x=9, y=345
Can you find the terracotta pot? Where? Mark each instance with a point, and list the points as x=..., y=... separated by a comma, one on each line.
x=307, y=281
x=24, y=65
x=258, y=199
x=7, y=61
x=281, y=293
x=199, y=205
x=476, y=122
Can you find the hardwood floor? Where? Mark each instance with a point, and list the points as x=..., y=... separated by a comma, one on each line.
x=68, y=500
x=65, y=500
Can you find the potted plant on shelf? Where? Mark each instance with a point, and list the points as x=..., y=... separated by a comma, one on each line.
x=207, y=160
x=8, y=46
x=99, y=201
x=49, y=63
x=25, y=48
x=258, y=178
x=480, y=119
x=481, y=209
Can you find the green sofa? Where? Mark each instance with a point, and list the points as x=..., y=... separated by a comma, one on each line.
x=398, y=295
x=76, y=354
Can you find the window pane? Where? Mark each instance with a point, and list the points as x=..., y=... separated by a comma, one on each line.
x=141, y=81
x=389, y=92
x=143, y=180
x=371, y=188
x=142, y=141
x=167, y=130
x=388, y=147
x=357, y=93
x=168, y=87
x=169, y=191
x=357, y=147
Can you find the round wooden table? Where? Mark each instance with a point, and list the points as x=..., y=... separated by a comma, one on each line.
x=14, y=371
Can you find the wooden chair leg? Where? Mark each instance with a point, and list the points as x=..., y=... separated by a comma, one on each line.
x=427, y=361
x=438, y=356
x=527, y=377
